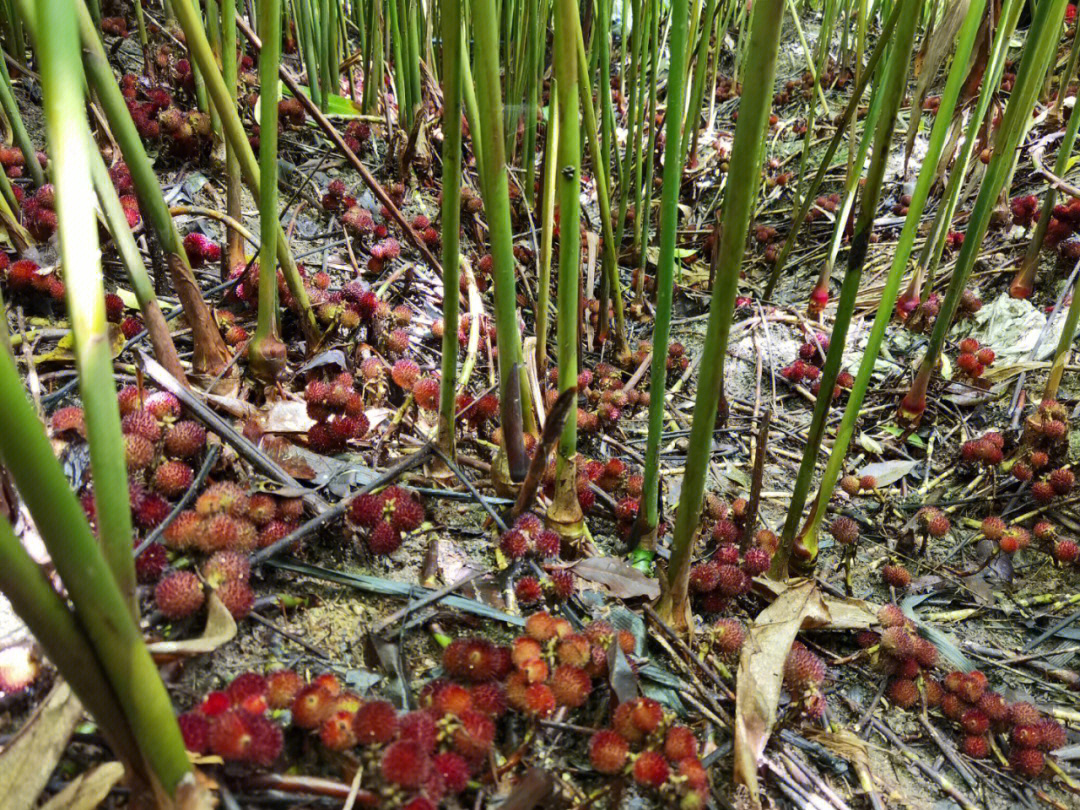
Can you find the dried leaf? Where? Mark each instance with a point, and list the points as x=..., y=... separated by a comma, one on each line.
x=618, y=576
x=86, y=791
x=797, y=606
x=220, y=629
x=287, y=416
x=888, y=472
x=27, y=763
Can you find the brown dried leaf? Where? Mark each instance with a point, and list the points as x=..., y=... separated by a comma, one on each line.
x=220, y=629
x=27, y=763
x=87, y=790
x=618, y=576
x=798, y=605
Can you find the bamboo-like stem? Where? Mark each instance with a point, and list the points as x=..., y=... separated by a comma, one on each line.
x=547, y=231
x=371, y=55
x=18, y=128
x=806, y=544
x=697, y=87
x=1039, y=49
x=565, y=512
x=156, y=327
x=1023, y=283
x=632, y=112
x=450, y=11
x=648, y=513
x=744, y=182
x=1066, y=78
x=643, y=214
x=531, y=78
x=213, y=33
x=600, y=171
x=99, y=605
x=234, y=245
x=266, y=352
x=249, y=167
x=302, y=14
x=68, y=134
x=807, y=198
x=472, y=112
x=496, y=193
x=64, y=641
x=211, y=354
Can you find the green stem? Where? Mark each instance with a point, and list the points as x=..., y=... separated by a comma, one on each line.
x=18, y=128
x=1039, y=49
x=547, y=230
x=63, y=101
x=648, y=514
x=743, y=184
x=451, y=219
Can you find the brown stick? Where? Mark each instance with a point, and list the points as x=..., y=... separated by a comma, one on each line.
x=339, y=142
x=755, y=481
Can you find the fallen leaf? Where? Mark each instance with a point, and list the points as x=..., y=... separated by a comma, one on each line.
x=618, y=576
x=761, y=672
x=287, y=416
x=888, y=472
x=28, y=761
x=220, y=629
x=87, y=790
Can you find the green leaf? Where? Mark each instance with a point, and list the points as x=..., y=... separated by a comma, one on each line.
x=336, y=106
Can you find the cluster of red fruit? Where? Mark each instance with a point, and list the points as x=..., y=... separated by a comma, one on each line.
x=611, y=476
x=201, y=249
x=13, y=160
x=1064, y=222
x=180, y=593
x=973, y=359
x=339, y=413
x=906, y=655
x=384, y=517
x=807, y=367
x=356, y=134
x=725, y=577
x=25, y=276
x=479, y=412
x=233, y=723
x=804, y=674
x=659, y=754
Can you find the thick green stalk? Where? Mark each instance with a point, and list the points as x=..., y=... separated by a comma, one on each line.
x=532, y=90
x=211, y=355
x=632, y=113
x=651, y=8
x=495, y=188
x=607, y=108
x=1066, y=78
x=1023, y=284
x=648, y=514
x=697, y=87
x=472, y=112
x=565, y=512
x=892, y=93
x=18, y=129
x=302, y=14
x=807, y=199
x=249, y=167
x=547, y=231
x=156, y=326
x=1039, y=49
x=1068, y=332
x=234, y=245
x=930, y=255
x=402, y=86
x=371, y=54
x=98, y=602
x=743, y=184
x=450, y=11
x=266, y=352
x=213, y=32
x=600, y=170
x=323, y=44
x=643, y=214
x=938, y=135
x=68, y=134
x=64, y=641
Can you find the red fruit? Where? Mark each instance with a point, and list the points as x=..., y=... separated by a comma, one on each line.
x=282, y=686
x=375, y=723
x=968, y=345
x=172, y=478
x=562, y=584
x=312, y=704
x=246, y=685
x=1027, y=762
x=1051, y=734
x=608, y=751
x=728, y=636
x=570, y=685
x=237, y=596
x=406, y=513
x=471, y=659
x=405, y=763
x=384, y=539
x=802, y=668
x=993, y=527
x=651, y=769
x=756, y=561
x=985, y=356
x=1062, y=480
x=195, y=729
x=539, y=700
x=419, y=728
x=540, y=627
x=975, y=747
x=365, y=510
x=680, y=744
x=229, y=735
x=732, y=581
x=528, y=591
x=452, y=698
x=1042, y=492
x=844, y=530
x=904, y=693
x=114, y=306
x=151, y=564
x=405, y=373
x=473, y=738
x=489, y=698
x=179, y=595
x=974, y=721
x=68, y=419
x=185, y=439
x=454, y=771
x=336, y=732
x=547, y=544
x=896, y=576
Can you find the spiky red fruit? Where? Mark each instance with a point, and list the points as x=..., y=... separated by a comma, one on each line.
x=195, y=729
x=282, y=686
x=1027, y=762
x=471, y=659
x=69, y=419
x=680, y=744
x=375, y=723
x=224, y=566
x=406, y=764
x=570, y=685
x=426, y=393
x=312, y=704
x=539, y=700
x=1062, y=480
x=608, y=751
x=179, y=595
x=651, y=769
x=454, y=771
x=476, y=732
x=237, y=597
x=896, y=575
x=384, y=539
x=172, y=478
x=151, y=564
x=728, y=636
x=974, y=721
x=405, y=373
x=1024, y=714
x=803, y=668
x=844, y=530
x=975, y=747
x=185, y=439
x=903, y=692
